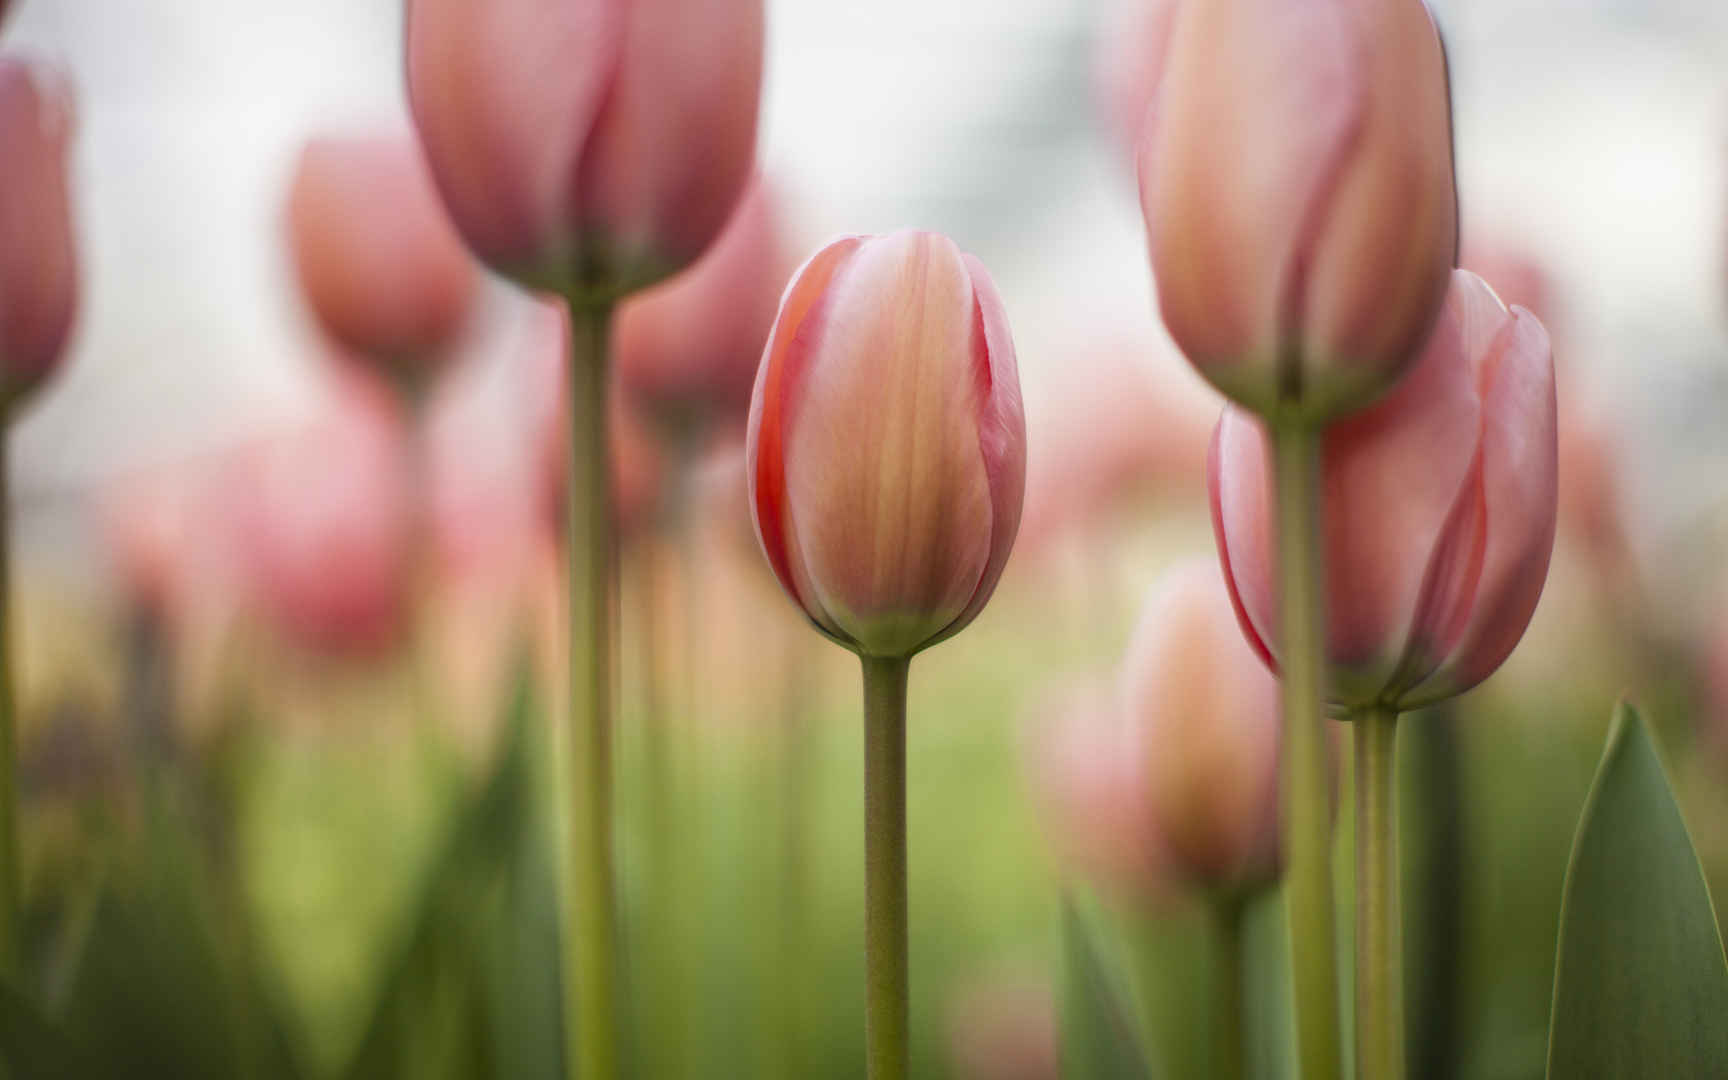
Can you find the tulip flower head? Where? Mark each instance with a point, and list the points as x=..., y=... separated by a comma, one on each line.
x=886, y=443
x=325, y=519
x=1206, y=711
x=587, y=147
x=1439, y=505
x=1297, y=181
x=38, y=261
x=687, y=349
x=384, y=271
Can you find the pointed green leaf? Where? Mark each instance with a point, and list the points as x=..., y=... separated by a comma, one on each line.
x=1097, y=1036
x=1640, y=983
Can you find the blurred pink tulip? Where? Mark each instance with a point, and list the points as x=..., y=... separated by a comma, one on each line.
x=1206, y=709
x=1005, y=1030
x=169, y=540
x=1089, y=771
x=587, y=145
x=1132, y=46
x=886, y=442
x=1440, y=510
x=325, y=516
x=1297, y=183
x=383, y=269
x=38, y=261
x=686, y=350
x=1116, y=432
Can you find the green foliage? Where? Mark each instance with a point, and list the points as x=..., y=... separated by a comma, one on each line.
x=1098, y=1040
x=1641, y=985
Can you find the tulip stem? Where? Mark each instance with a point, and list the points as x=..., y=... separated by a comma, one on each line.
x=589, y=908
x=887, y=1012
x=1227, y=913
x=9, y=875
x=1307, y=794
x=1379, y=945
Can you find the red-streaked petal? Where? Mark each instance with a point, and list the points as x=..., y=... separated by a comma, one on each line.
x=1221, y=535
x=777, y=380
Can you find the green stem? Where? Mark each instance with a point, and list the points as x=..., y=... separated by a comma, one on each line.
x=1227, y=998
x=887, y=1012
x=9, y=876
x=1379, y=948
x=589, y=910
x=1307, y=794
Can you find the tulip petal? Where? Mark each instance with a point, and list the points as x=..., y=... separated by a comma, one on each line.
x=1228, y=557
x=38, y=257
x=779, y=380
x=1001, y=434
x=1520, y=478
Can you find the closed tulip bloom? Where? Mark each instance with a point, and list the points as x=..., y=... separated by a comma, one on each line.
x=380, y=264
x=1439, y=505
x=587, y=146
x=687, y=349
x=1297, y=182
x=1132, y=45
x=38, y=262
x=325, y=517
x=1206, y=709
x=886, y=443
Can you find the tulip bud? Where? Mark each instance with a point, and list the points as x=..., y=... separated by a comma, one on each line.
x=325, y=516
x=588, y=147
x=1439, y=505
x=1130, y=67
x=1296, y=178
x=1207, y=712
x=385, y=273
x=886, y=443
x=38, y=265
x=687, y=349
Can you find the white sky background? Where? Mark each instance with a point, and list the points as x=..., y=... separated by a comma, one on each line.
x=1596, y=130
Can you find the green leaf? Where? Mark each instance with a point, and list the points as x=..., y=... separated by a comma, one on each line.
x=1097, y=1036
x=1640, y=983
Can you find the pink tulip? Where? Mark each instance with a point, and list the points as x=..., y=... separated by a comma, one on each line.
x=1439, y=505
x=886, y=443
x=687, y=349
x=1089, y=772
x=1297, y=183
x=38, y=262
x=1206, y=711
x=587, y=145
x=383, y=269
x=325, y=516
x=1117, y=432
x=1005, y=1029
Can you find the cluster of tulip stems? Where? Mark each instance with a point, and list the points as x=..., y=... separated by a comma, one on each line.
x=1383, y=481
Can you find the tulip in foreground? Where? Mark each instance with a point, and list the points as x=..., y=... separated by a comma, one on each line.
x=377, y=258
x=587, y=146
x=1297, y=182
x=886, y=452
x=38, y=260
x=1441, y=502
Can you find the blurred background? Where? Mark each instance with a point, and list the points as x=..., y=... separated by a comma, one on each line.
x=228, y=800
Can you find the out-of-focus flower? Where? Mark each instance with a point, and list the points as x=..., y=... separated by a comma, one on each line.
x=325, y=517
x=165, y=534
x=1206, y=709
x=1089, y=773
x=1116, y=432
x=1297, y=183
x=384, y=271
x=1439, y=505
x=1005, y=1030
x=886, y=443
x=686, y=350
x=1131, y=49
x=587, y=146
x=38, y=260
